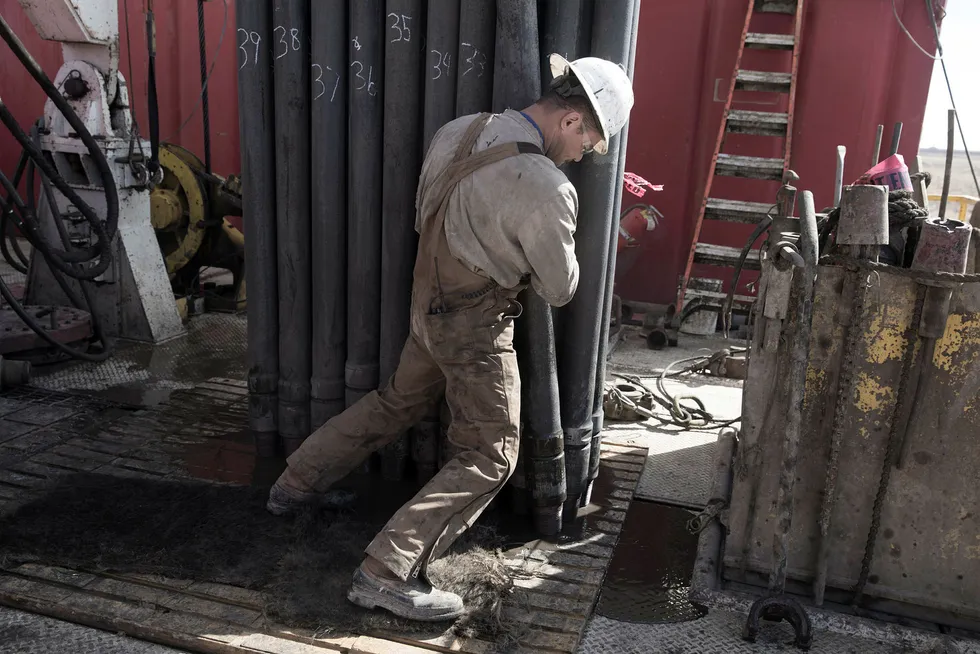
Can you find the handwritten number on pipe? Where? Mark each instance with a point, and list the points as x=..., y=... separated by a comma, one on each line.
x=442, y=65
x=404, y=32
x=250, y=37
x=323, y=87
x=282, y=39
x=367, y=82
x=474, y=60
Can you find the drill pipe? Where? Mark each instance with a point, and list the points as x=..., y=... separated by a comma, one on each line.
x=329, y=161
x=582, y=318
x=366, y=125
x=292, y=131
x=542, y=446
x=441, y=43
x=566, y=29
x=607, y=304
x=399, y=242
x=517, y=84
x=474, y=74
x=256, y=131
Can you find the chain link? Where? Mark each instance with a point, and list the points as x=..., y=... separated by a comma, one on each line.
x=894, y=440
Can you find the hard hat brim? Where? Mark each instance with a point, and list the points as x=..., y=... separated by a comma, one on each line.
x=559, y=66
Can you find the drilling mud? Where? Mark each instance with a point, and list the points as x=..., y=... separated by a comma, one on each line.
x=650, y=573
x=221, y=533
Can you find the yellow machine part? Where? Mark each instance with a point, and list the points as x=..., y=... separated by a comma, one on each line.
x=178, y=206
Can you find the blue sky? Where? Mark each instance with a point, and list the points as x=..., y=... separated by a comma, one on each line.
x=961, y=45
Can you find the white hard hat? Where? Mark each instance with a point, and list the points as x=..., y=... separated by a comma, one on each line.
x=608, y=88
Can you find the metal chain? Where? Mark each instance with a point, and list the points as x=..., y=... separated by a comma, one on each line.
x=844, y=383
x=891, y=453
x=920, y=276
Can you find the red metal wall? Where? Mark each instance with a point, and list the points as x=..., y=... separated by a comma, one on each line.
x=857, y=70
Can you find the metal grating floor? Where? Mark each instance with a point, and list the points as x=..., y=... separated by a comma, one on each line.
x=679, y=463
x=141, y=374
x=719, y=632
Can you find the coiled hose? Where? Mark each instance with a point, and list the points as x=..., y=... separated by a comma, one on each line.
x=82, y=264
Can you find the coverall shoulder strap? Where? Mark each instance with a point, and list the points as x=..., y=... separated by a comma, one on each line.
x=470, y=135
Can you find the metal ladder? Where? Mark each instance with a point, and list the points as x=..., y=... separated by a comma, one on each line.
x=761, y=123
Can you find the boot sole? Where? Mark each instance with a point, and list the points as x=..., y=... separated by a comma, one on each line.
x=370, y=600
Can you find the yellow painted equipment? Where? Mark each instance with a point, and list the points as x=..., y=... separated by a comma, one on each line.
x=189, y=210
x=919, y=557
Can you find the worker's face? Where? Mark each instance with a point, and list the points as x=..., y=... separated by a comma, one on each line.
x=576, y=138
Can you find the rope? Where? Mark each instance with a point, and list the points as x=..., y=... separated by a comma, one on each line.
x=903, y=210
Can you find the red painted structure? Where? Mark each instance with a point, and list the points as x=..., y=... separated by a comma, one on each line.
x=857, y=70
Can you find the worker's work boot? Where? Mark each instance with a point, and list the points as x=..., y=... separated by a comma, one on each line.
x=284, y=500
x=412, y=599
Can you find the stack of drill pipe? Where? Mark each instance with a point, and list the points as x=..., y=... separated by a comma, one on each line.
x=475, y=58
x=597, y=405
x=256, y=129
x=441, y=63
x=292, y=136
x=517, y=84
x=584, y=317
x=439, y=66
x=366, y=127
x=328, y=108
x=399, y=242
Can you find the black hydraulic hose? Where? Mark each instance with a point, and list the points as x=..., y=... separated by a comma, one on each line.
x=73, y=297
x=107, y=232
x=21, y=262
x=61, y=259
x=204, y=85
x=152, y=105
x=87, y=302
x=726, y=310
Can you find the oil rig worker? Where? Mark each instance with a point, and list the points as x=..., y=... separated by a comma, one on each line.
x=494, y=213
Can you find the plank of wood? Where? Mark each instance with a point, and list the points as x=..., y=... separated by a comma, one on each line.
x=567, y=559
x=574, y=606
x=175, y=600
x=561, y=622
x=769, y=41
x=544, y=569
x=273, y=645
x=369, y=645
x=554, y=587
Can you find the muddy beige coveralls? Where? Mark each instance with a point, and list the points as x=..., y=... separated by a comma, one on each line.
x=460, y=345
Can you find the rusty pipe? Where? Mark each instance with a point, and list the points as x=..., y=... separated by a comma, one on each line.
x=802, y=293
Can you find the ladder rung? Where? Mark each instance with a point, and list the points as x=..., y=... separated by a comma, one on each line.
x=715, y=295
x=722, y=255
x=762, y=41
x=756, y=80
x=736, y=211
x=731, y=165
x=776, y=6
x=763, y=123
